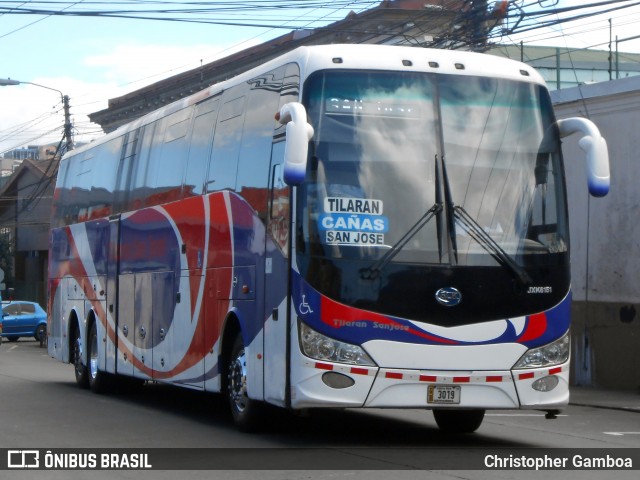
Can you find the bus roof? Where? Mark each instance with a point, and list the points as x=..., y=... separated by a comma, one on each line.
x=355, y=57
x=387, y=57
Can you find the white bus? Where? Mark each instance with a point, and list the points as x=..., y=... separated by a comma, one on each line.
x=343, y=226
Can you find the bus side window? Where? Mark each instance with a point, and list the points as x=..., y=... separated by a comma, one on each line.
x=136, y=189
x=279, y=208
x=172, y=160
x=200, y=147
x=226, y=141
x=130, y=149
x=60, y=208
x=289, y=92
x=82, y=192
x=103, y=183
x=257, y=136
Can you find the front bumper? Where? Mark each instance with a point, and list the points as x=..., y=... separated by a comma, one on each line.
x=408, y=388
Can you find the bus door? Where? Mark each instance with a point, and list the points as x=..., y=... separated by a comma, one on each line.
x=276, y=281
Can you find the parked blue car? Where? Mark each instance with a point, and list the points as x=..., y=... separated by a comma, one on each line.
x=23, y=319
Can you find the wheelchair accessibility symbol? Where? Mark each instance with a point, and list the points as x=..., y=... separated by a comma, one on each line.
x=304, y=307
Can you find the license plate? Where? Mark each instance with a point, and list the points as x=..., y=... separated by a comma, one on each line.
x=444, y=394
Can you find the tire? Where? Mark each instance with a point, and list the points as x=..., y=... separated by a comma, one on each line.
x=458, y=421
x=80, y=370
x=245, y=411
x=97, y=379
x=41, y=333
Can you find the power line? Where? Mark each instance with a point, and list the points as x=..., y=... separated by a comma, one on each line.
x=530, y=17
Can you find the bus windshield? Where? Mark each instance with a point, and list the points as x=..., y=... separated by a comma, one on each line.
x=422, y=171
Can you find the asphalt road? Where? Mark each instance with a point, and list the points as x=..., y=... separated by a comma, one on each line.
x=42, y=408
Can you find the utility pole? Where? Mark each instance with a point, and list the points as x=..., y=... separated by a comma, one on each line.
x=67, y=123
x=610, y=52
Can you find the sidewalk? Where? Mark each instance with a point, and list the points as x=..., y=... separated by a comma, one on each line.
x=602, y=398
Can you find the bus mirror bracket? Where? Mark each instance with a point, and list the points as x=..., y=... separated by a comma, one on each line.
x=299, y=132
x=595, y=149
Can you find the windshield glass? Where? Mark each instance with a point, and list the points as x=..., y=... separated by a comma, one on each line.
x=501, y=156
x=416, y=172
x=372, y=167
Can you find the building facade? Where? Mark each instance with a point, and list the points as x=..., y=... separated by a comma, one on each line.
x=563, y=67
x=25, y=217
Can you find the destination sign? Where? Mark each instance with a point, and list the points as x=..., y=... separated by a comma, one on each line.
x=352, y=205
x=353, y=221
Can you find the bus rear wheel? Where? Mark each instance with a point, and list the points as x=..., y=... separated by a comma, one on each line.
x=97, y=379
x=245, y=411
x=81, y=371
x=458, y=421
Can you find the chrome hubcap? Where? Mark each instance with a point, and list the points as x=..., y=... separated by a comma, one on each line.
x=77, y=355
x=238, y=382
x=93, y=361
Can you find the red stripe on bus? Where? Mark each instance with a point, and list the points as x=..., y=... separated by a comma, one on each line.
x=428, y=378
x=359, y=371
x=324, y=366
x=524, y=376
x=397, y=376
x=494, y=379
x=461, y=379
x=553, y=371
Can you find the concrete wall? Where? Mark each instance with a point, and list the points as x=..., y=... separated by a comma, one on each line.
x=605, y=237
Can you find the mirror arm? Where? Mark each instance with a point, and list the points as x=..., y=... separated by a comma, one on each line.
x=298, y=134
x=595, y=148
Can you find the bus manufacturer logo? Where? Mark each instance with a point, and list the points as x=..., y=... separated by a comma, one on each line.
x=448, y=296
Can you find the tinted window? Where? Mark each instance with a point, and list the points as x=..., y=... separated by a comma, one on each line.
x=87, y=182
x=11, y=309
x=61, y=195
x=226, y=143
x=137, y=190
x=290, y=90
x=131, y=149
x=28, y=309
x=253, y=169
x=172, y=162
x=200, y=147
x=103, y=178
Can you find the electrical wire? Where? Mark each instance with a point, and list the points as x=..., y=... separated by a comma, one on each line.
x=522, y=18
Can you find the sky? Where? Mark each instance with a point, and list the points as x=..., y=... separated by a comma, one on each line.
x=94, y=59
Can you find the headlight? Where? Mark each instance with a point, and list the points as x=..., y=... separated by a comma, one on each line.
x=321, y=347
x=554, y=353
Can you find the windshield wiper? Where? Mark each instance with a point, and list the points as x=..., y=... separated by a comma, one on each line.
x=373, y=272
x=490, y=245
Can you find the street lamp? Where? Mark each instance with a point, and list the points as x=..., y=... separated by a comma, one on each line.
x=6, y=82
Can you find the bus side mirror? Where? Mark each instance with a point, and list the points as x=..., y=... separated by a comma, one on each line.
x=299, y=132
x=595, y=149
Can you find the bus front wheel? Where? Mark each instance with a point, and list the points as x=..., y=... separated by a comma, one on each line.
x=458, y=421
x=243, y=409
